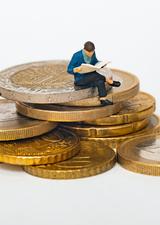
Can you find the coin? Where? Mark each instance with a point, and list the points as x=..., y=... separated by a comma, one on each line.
x=135, y=109
x=52, y=112
x=48, y=82
x=128, y=89
x=141, y=155
x=156, y=130
x=55, y=146
x=105, y=131
x=114, y=142
x=14, y=126
x=94, y=157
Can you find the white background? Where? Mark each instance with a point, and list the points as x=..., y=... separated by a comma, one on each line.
x=128, y=34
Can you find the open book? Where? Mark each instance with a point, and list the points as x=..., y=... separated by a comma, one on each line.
x=87, y=68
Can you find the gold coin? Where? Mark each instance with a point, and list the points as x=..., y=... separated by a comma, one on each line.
x=14, y=126
x=56, y=146
x=141, y=155
x=59, y=113
x=115, y=142
x=94, y=157
x=128, y=89
x=156, y=130
x=135, y=109
x=105, y=131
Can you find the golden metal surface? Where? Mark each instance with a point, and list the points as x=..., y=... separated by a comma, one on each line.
x=128, y=89
x=105, y=131
x=115, y=142
x=14, y=126
x=135, y=109
x=56, y=146
x=141, y=155
x=94, y=157
x=48, y=82
x=156, y=130
x=59, y=113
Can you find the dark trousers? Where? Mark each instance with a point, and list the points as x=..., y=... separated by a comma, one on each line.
x=93, y=79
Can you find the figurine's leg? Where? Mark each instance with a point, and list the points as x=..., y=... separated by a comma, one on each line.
x=102, y=91
x=96, y=80
x=100, y=84
x=89, y=78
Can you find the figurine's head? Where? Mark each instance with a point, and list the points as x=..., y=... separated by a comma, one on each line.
x=89, y=48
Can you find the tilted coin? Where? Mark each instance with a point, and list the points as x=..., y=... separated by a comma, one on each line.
x=94, y=157
x=156, y=130
x=135, y=109
x=14, y=126
x=48, y=82
x=105, y=131
x=52, y=112
x=55, y=146
x=128, y=89
x=141, y=155
x=114, y=142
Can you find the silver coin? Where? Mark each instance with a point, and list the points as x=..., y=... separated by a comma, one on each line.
x=49, y=82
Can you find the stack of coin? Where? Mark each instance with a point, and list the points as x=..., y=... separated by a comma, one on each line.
x=134, y=119
x=82, y=142
x=26, y=141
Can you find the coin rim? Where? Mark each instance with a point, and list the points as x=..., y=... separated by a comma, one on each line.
x=25, y=132
x=67, y=116
x=62, y=97
x=152, y=169
x=114, y=142
x=40, y=160
x=126, y=117
x=72, y=174
x=106, y=131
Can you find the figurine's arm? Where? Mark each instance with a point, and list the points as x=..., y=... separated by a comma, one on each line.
x=73, y=63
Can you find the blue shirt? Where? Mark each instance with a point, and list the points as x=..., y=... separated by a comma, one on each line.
x=76, y=60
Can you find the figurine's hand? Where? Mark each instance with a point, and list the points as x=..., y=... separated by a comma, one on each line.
x=77, y=70
x=110, y=80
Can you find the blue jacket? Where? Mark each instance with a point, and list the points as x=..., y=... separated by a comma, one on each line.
x=76, y=60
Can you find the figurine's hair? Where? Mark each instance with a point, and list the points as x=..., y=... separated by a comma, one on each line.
x=89, y=46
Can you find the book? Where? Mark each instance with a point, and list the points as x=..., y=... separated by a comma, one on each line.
x=87, y=68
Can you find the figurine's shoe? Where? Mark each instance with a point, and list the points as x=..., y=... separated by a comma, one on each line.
x=115, y=84
x=106, y=102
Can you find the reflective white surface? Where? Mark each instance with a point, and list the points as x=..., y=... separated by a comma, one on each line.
x=126, y=33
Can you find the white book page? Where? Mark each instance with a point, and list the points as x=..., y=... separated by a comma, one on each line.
x=102, y=64
x=87, y=68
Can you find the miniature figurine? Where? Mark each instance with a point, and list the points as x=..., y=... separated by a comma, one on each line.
x=90, y=79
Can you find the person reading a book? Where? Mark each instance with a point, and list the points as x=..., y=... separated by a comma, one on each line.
x=90, y=79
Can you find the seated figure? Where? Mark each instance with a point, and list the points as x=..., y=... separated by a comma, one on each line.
x=91, y=79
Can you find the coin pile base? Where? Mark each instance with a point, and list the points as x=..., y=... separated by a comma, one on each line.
x=94, y=158
x=86, y=141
